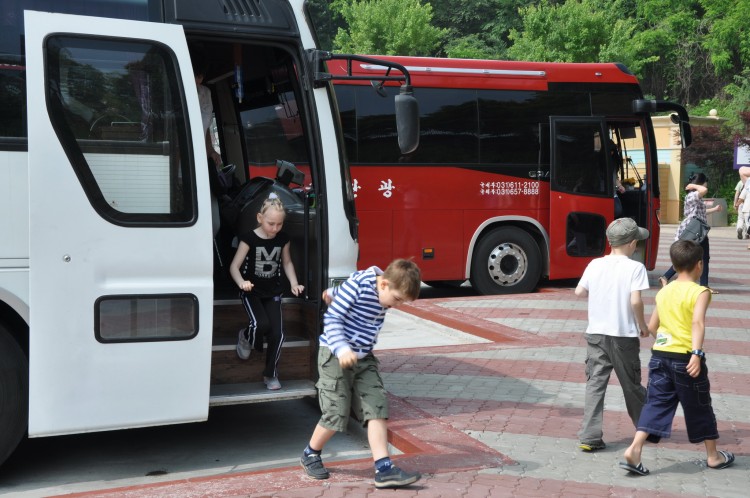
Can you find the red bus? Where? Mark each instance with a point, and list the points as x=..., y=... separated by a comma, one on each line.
x=514, y=177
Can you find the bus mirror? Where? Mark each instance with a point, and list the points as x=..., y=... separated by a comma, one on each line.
x=378, y=86
x=407, y=120
x=407, y=109
x=641, y=106
x=686, y=134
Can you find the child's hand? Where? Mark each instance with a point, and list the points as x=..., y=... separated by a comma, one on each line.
x=246, y=285
x=694, y=366
x=326, y=297
x=348, y=359
x=297, y=289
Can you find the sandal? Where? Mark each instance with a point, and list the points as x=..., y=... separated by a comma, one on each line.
x=637, y=469
x=728, y=460
x=713, y=291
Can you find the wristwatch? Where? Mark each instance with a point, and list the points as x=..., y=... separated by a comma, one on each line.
x=698, y=352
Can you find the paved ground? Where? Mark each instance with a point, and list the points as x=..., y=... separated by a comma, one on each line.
x=492, y=406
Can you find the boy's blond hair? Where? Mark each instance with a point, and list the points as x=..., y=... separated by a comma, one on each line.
x=405, y=277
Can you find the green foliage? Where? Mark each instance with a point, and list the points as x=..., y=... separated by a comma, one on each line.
x=572, y=31
x=477, y=28
x=470, y=47
x=728, y=40
x=326, y=21
x=387, y=27
x=726, y=191
x=738, y=104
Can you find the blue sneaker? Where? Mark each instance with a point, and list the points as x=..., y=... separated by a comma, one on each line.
x=313, y=466
x=395, y=478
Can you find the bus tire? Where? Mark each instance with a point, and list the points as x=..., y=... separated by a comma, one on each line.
x=507, y=260
x=14, y=394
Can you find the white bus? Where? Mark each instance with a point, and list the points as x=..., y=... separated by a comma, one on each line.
x=116, y=310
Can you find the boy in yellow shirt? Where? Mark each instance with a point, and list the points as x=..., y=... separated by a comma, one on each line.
x=677, y=370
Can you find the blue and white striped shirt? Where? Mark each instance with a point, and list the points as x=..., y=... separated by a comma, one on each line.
x=354, y=317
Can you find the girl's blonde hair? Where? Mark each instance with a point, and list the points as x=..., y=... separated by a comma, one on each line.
x=272, y=202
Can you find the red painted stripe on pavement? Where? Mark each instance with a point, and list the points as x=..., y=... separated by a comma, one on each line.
x=460, y=321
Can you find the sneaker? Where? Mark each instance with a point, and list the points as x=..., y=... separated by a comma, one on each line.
x=243, y=346
x=272, y=383
x=598, y=445
x=740, y=234
x=395, y=478
x=313, y=466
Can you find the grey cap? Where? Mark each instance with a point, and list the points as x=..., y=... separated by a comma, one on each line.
x=623, y=231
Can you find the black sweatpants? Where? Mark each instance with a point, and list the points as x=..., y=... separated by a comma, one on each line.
x=264, y=315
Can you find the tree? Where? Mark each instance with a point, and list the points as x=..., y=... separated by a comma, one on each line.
x=572, y=31
x=712, y=150
x=477, y=28
x=728, y=39
x=326, y=21
x=675, y=65
x=387, y=27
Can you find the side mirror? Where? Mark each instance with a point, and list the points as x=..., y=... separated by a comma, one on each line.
x=407, y=109
x=641, y=106
x=407, y=120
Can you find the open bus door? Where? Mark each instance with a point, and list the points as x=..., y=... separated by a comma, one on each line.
x=581, y=194
x=121, y=288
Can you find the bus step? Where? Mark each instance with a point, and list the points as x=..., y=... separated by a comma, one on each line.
x=256, y=392
x=230, y=343
x=296, y=363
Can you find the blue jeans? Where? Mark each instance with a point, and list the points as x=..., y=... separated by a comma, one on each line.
x=670, y=384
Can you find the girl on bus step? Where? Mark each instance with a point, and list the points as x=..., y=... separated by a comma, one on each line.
x=256, y=269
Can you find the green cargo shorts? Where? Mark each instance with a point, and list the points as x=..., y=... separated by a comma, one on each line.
x=358, y=389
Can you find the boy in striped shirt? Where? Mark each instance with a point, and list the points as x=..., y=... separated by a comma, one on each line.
x=348, y=370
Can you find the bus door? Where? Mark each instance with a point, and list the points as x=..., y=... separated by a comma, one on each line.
x=581, y=194
x=120, y=284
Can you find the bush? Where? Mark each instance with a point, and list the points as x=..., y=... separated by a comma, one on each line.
x=726, y=190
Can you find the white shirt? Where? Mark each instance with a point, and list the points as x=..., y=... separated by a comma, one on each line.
x=207, y=107
x=609, y=282
x=743, y=197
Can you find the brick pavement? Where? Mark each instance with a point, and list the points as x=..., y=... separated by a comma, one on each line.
x=500, y=418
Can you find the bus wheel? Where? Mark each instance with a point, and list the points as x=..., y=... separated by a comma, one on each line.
x=14, y=394
x=506, y=261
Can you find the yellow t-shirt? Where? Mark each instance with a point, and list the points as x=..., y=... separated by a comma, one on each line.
x=675, y=304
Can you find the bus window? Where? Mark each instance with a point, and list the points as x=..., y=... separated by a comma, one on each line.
x=581, y=165
x=12, y=99
x=346, y=100
x=511, y=122
x=448, y=122
x=117, y=110
x=12, y=63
